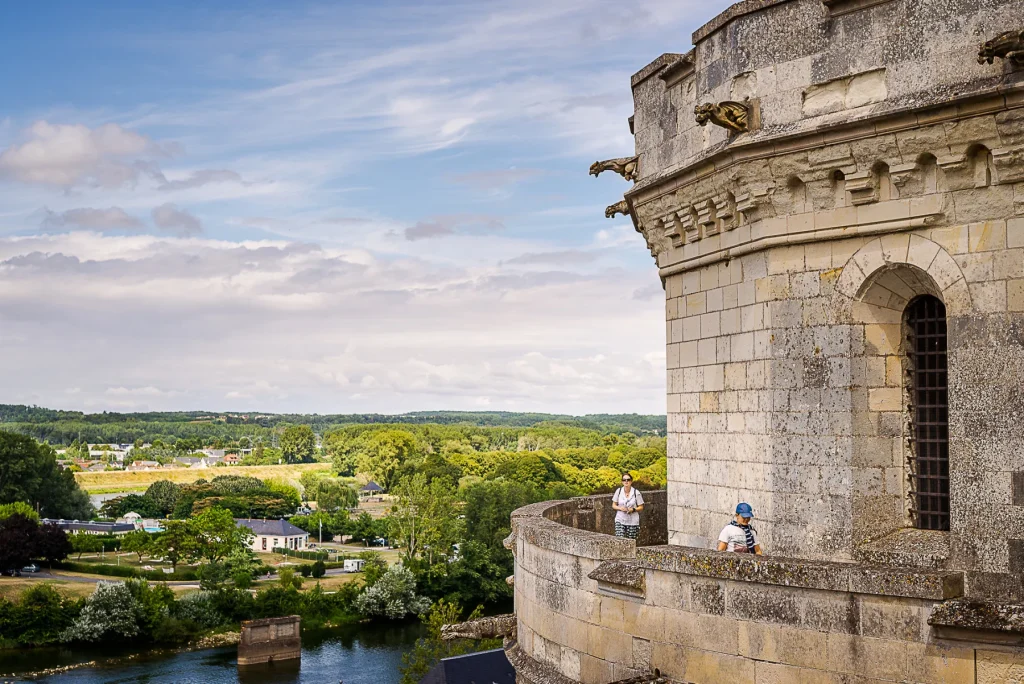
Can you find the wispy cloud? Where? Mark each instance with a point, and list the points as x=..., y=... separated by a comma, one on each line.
x=177, y=221
x=98, y=219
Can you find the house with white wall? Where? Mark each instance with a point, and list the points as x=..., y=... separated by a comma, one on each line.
x=272, y=534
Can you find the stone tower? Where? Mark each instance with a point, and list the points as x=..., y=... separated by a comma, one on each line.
x=833, y=192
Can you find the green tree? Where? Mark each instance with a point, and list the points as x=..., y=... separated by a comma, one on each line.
x=19, y=508
x=29, y=473
x=177, y=543
x=216, y=534
x=85, y=543
x=425, y=519
x=164, y=495
x=364, y=528
x=298, y=444
x=384, y=452
x=374, y=567
x=138, y=542
x=288, y=580
x=333, y=495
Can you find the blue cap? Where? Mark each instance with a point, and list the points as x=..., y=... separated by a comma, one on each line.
x=744, y=510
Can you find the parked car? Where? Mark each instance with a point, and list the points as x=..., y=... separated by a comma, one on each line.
x=30, y=568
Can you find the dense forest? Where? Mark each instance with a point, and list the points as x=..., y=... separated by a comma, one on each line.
x=61, y=428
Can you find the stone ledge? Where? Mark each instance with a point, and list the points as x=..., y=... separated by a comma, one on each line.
x=665, y=61
x=622, y=573
x=734, y=12
x=967, y=620
x=908, y=548
x=532, y=671
x=933, y=585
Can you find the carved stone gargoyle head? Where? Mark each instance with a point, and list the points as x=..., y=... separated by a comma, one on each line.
x=1009, y=45
x=624, y=166
x=733, y=116
x=617, y=208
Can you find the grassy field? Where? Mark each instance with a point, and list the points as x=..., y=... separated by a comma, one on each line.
x=123, y=481
x=11, y=588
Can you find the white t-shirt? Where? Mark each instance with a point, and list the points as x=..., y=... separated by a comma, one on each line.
x=734, y=536
x=634, y=499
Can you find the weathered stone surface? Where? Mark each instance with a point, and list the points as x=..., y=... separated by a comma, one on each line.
x=622, y=573
x=887, y=165
x=270, y=640
x=493, y=627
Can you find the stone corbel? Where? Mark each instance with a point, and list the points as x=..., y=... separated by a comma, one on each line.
x=1009, y=165
x=725, y=211
x=672, y=228
x=707, y=219
x=952, y=163
x=750, y=204
x=899, y=174
x=863, y=187
x=688, y=221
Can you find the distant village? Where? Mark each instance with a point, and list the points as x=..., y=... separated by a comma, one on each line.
x=104, y=457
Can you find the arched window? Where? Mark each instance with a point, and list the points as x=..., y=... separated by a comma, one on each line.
x=929, y=413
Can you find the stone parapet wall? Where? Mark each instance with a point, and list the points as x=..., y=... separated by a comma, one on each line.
x=708, y=617
x=595, y=514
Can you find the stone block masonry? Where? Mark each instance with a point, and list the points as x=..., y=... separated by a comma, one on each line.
x=833, y=193
x=270, y=640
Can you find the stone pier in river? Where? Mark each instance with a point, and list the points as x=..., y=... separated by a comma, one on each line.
x=269, y=640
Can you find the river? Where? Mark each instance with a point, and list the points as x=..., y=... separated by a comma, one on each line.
x=357, y=654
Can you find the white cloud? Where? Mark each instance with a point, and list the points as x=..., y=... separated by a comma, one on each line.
x=69, y=155
x=196, y=323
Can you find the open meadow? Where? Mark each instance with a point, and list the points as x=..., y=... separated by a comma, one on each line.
x=122, y=481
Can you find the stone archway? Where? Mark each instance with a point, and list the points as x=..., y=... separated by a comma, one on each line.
x=881, y=279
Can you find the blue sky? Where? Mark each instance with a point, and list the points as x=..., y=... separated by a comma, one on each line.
x=326, y=207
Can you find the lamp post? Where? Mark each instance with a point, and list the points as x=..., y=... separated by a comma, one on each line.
x=321, y=532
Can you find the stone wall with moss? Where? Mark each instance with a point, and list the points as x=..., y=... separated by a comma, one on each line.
x=595, y=609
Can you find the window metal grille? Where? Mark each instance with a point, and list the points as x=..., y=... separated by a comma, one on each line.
x=929, y=412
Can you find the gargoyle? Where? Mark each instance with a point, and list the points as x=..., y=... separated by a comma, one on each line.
x=624, y=166
x=494, y=627
x=734, y=116
x=1009, y=45
x=617, y=208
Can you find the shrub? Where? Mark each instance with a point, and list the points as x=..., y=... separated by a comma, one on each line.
x=306, y=570
x=392, y=596
x=319, y=569
x=277, y=601
x=111, y=611
x=199, y=608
